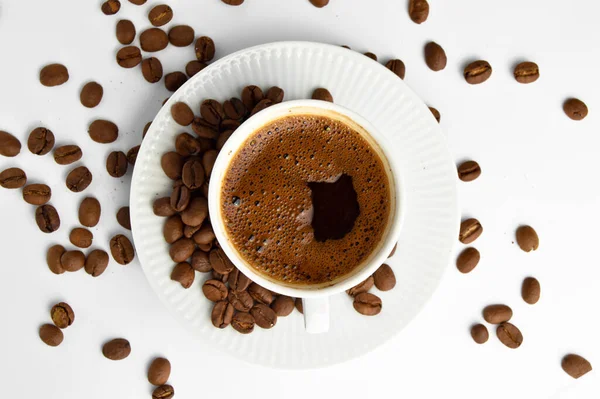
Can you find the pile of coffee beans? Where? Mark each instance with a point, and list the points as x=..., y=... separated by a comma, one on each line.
x=62, y=316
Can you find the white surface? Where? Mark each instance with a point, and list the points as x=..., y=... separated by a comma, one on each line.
x=538, y=167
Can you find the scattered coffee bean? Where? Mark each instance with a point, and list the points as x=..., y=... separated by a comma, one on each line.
x=111, y=7
x=397, y=67
x=159, y=371
x=238, y=280
x=214, y=290
x=51, y=335
x=13, y=178
x=367, y=304
x=243, y=322
x=72, y=261
x=54, y=75
x=163, y=392
x=181, y=35
x=222, y=314
x=393, y=251
x=205, y=49
x=103, y=131
x=10, y=146
x=183, y=274
x=468, y=260
x=436, y=114
x=116, y=164
x=470, y=230
x=186, y=145
x=477, y=72
x=322, y=94
x=260, y=294
x=116, y=349
x=193, y=67
x=575, y=109
x=174, y=80
x=530, y=291
x=418, y=10
x=123, y=217
x=208, y=161
x=138, y=2
x=37, y=194
x=435, y=56
x=153, y=40
x=275, y=94
x=162, y=207
x=212, y=112
x=266, y=103
x=62, y=315
x=79, y=179
x=264, y=316
x=172, y=165
x=527, y=72
x=251, y=95
x=200, y=262
x=182, y=113
x=129, y=57
x=81, y=238
x=152, y=71
x=204, y=129
x=192, y=175
x=40, y=141
x=365, y=286
x=240, y=300
x=89, y=212
x=509, y=335
x=384, y=278
x=298, y=304
x=496, y=314
x=125, y=31
x=319, y=3
x=223, y=137
x=283, y=305
x=132, y=154
x=160, y=15
x=220, y=262
x=91, y=94
x=469, y=171
x=121, y=249
x=371, y=56
x=96, y=262
x=180, y=197
x=173, y=229
x=233, y=2
x=575, y=365
x=47, y=218
x=53, y=259
x=527, y=238
x=67, y=154
x=182, y=249
x=480, y=333
x=196, y=212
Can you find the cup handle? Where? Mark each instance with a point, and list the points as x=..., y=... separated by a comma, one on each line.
x=316, y=315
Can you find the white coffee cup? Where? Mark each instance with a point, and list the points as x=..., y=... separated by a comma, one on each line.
x=315, y=300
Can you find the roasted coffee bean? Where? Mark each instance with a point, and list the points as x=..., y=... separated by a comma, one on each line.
x=40, y=141
x=129, y=57
x=205, y=49
x=154, y=39
x=79, y=179
x=72, y=261
x=238, y=280
x=365, y=286
x=193, y=67
x=231, y=124
x=220, y=262
x=527, y=238
x=322, y=94
x=418, y=10
x=480, y=333
x=37, y=194
x=116, y=164
x=384, y=278
x=367, y=304
x=275, y=94
x=54, y=75
x=181, y=35
x=371, y=56
x=81, y=238
x=172, y=165
x=51, y=335
x=223, y=137
x=264, y=316
x=174, y=80
x=13, y=178
x=103, y=131
x=205, y=235
x=251, y=95
x=159, y=371
x=509, y=335
x=138, y=2
x=208, y=161
x=196, y=212
x=496, y=314
x=477, y=72
x=298, y=304
x=163, y=392
x=204, y=129
x=212, y=112
x=91, y=94
x=283, y=305
x=235, y=109
x=121, y=249
x=47, y=218
x=67, y=154
x=319, y=3
x=10, y=146
x=189, y=231
x=116, y=349
x=233, y=2
x=468, y=260
x=182, y=249
x=111, y=7
x=436, y=114
x=180, y=198
x=200, y=262
x=243, y=322
x=397, y=67
x=260, y=294
x=435, y=56
x=132, y=154
x=96, y=262
x=152, y=71
x=530, y=291
x=62, y=315
x=162, y=207
x=183, y=274
x=193, y=174
x=218, y=276
x=204, y=189
x=470, y=230
x=575, y=109
x=205, y=247
x=576, y=366
x=89, y=212
x=123, y=217
x=160, y=15
x=182, y=113
x=214, y=290
x=527, y=72
x=222, y=314
x=266, y=103
x=125, y=31
x=469, y=171
x=173, y=229
x=53, y=259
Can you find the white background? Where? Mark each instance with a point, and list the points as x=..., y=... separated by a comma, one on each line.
x=539, y=168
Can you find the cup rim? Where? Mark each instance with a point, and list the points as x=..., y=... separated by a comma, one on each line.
x=232, y=146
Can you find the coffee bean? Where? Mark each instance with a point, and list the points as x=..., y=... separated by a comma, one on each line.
x=132, y=154
x=47, y=218
x=264, y=316
x=183, y=274
x=418, y=10
x=91, y=94
x=218, y=276
x=159, y=371
x=397, y=67
x=79, y=179
x=509, y=335
x=260, y=294
x=193, y=67
x=575, y=109
x=111, y=7
x=384, y=278
x=527, y=238
x=367, y=304
x=54, y=75
x=72, y=261
x=51, y=335
x=10, y=146
x=173, y=229
x=205, y=49
x=283, y=305
x=468, y=260
x=470, y=230
x=371, y=56
x=116, y=164
x=477, y=72
x=160, y=15
x=527, y=72
x=40, y=141
x=182, y=113
x=233, y=2
x=266, y=103
x=53, y=259
x=204, y=129
x=189, y=231
x=129, y=57
x=196, y=212
x=67, y=154
x=220, y=262
x=81, y=238
x=206, y=248
x=435, y=56
x=223, y=139
x=182, y=249
x=180, y=198
x=121, y=249
x=96, y=262
x=163, y=392
x=322, y=94
x=232, y=124
x=469, y=171
x=204, y=189
x=172, y=164
x=37, y=194
x=221, y=314
x=162, y=207
x=238, y=280
x=116, y=349
x=13, y=178
x=123, y=217
x=251, y=95
x=200, y=262
x=103, y=131
x=62, y=315
x=125, y=31
x=496, y=314
x=480, y=333
x=214, y=290
x=181, y=35
x=275, y=94
x=436, y=114
x=576, y=366
x=154, y=39
x=152, y=71
x=174, y=80
x=212, y=112
x=243, y=322
x=393, y=251
x=319, y=3
x=89, y=212
x=138, y=2
x=530, y=291
x=235, y=109
x=298, y=304
x=193, y=175
x=365, y=286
